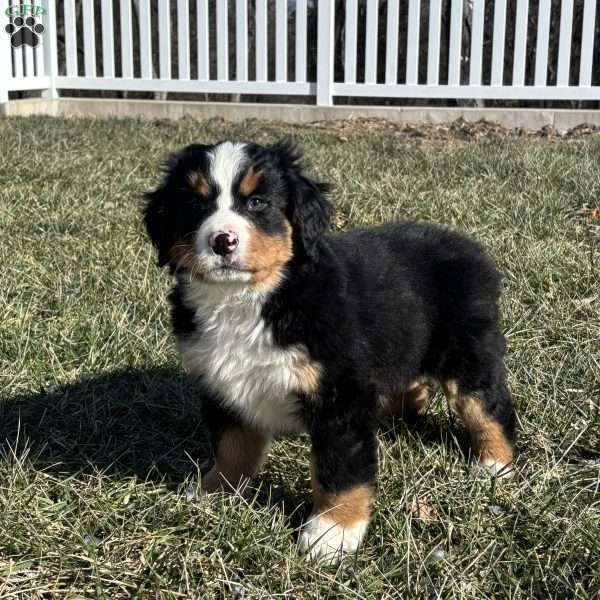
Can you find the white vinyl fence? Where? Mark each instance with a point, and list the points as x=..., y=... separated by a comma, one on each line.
x=266, y=47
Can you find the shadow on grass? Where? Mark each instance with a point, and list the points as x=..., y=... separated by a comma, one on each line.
x=145, y=423
x=129, y=422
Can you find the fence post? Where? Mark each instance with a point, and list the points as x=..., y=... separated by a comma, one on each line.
x=325, y=43
x=5, y=67
x=50, y=51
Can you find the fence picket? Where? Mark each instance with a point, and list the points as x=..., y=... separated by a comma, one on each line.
x=202, y=30
x=222, y=41
x=6, y=67
x=241, y=40
x=412, y=50
x=371, y=41
x=498, y=42
x=50, y=51
x=433, y=51
x=520, y=55
x=164, y=39
x=183, y=39
x=145, y=39
x=126, y=39
x=476, y=58
x=29, y=63
x=325, y=51
x=108, y=47
x=454, y=54
x=301, y=16
x=391, y=48
x=281, y=40
x=38, y=59
x=70, y=38
x=587, y=43
x=261, y=40
x=350, y=41
x=17, y=53
x=17, y=60
x=89, y=40
x=543, y=39
x=564, y=43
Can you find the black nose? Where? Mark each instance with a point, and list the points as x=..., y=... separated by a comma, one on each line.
x=224, y=243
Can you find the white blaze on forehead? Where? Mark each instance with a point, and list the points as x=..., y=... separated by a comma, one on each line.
x=226, y=161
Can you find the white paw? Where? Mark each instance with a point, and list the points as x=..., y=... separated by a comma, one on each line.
x=326, y=541
x=488, y=466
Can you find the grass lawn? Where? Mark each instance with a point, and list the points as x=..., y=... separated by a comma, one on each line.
x=100, y=436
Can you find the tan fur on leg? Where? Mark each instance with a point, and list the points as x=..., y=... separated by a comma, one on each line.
x=338, y=522
x=344, y=508
x=490, y=445
x=409, y=404
x=239, y=456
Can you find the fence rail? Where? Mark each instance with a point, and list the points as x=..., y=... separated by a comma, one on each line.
x=443, y=49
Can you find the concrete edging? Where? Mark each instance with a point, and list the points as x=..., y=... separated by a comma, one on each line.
x=527, y=118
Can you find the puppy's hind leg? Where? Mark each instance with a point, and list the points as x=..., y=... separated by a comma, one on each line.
x=489, y=416
x=408, y=404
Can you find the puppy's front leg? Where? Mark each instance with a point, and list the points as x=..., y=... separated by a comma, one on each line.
x=239, y=451
x=343, y=478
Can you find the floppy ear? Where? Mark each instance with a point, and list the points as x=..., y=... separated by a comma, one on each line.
x=311, y=214
x=309, y=210
x=157, y=217
x=158, y=230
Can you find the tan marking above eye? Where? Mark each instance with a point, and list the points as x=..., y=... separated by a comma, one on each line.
x=199, y=184
x=250, y=181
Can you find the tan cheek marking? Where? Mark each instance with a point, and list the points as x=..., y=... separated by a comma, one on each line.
x=345, y=508
x=199, y=183
x=309, y=375
x=487, y=437
x=250, y=181
x=239, y=456
x=266, y=255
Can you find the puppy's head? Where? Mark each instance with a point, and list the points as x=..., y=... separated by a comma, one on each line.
x=236, y=212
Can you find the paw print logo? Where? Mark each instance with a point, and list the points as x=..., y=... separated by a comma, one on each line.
x=24, y=31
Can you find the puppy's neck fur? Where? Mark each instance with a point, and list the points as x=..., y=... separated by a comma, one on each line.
x=206, y=297
x=234, y=352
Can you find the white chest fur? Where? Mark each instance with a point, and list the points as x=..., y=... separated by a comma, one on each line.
x=236, y=356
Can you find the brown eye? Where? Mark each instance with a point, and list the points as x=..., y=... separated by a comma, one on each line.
x=255, y=204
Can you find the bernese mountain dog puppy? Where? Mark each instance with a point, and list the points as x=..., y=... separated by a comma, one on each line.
x=291, y=329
